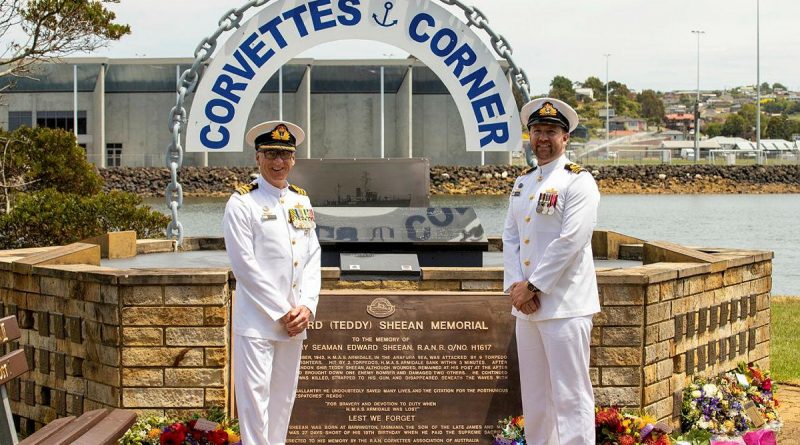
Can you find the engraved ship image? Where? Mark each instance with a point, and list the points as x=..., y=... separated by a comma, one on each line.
x=364, y=197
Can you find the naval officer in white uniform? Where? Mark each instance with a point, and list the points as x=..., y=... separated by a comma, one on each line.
x=275, y=256
x=550, y=276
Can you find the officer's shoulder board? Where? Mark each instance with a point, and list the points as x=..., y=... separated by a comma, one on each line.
x=247, y=188
x=297, y=190
x=574, y=168
x=530, y=170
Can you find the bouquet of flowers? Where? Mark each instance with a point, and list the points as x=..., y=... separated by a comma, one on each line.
x=161, y=430
x=512, y=431
x=760, y=391
x=613, y=426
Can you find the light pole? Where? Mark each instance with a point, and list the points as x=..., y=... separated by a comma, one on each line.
x=758, y=76
x=697, y=104
x=608, y=134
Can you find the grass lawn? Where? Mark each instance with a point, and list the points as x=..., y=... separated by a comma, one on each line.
x=785, y=345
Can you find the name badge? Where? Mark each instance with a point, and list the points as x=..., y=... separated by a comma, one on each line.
x=267, y=215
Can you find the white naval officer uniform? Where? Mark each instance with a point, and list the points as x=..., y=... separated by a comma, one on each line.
x=553, y=251
x=277, y=267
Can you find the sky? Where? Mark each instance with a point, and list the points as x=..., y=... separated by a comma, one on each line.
x=650, y=41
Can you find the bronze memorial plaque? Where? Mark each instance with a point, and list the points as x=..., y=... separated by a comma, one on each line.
x=407, y=368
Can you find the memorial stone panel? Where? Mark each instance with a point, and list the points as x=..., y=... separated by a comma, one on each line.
x=401, y=368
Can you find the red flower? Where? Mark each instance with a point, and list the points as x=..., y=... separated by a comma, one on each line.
x=627, y=440
x=767, y=385
x=218, y=437
x=610, y=418
x=172, y=437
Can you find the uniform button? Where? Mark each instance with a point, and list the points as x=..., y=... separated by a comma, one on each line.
x=527, y=262
x=294, y=241
x=294, y=285
x=282, y=200
x=531, y=197
x=296, y=263
x=527, y=241
x=527, y=219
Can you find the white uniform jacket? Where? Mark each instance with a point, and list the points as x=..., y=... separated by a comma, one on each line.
x=552, y=248
x=277, y=266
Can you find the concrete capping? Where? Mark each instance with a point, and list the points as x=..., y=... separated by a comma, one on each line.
x=462, y=273
x=76, y=253
x=80, y=272
x=606, y=243
x=145, y=246
x=191, y=244
x=633, y=252
x=172, y=276
x=115, y=245
x=330, y=273
x=666, y=252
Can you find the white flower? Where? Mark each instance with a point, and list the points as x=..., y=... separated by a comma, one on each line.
x=696, y=394
x=710, y=389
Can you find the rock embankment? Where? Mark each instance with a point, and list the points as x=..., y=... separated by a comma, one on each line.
x=497, y=179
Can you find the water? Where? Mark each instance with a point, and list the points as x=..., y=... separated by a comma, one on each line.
x=762, y=222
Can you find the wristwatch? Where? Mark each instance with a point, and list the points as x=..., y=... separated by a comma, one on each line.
x=533, y=288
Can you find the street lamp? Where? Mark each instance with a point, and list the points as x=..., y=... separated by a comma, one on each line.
x=608, y=134
x=697, y=104
x=758, y=77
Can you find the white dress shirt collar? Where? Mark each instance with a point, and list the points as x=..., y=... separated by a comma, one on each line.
x=271, y=189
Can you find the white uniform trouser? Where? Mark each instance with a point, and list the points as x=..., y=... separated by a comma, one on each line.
x=557, y=398
x=265, y=377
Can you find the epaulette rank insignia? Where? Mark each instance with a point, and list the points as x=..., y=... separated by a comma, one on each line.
x=574, y=168
x=297, y=190
x=530, y=170
x=247, y=188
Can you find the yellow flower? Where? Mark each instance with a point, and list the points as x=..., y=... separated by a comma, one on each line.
x=154, y=433
x=520, y=421
x=232, y=436
x=728, y=425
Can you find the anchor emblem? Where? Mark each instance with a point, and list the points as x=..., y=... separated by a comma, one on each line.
x=384, y=23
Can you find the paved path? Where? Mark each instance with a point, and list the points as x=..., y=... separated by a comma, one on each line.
x=789, y=397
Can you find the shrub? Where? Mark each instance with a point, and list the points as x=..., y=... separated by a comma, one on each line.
x=49, y=217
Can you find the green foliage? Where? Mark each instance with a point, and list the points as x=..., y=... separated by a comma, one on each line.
x=735, y=126
x=561, y=88
x=597, y=86
x=652, y=106
x=695, y=437
x=37, y=30
x=785, y=341
x=46, y=158
x=779, y=86
x=623, y=100
x=713, y=129
x=49, y=217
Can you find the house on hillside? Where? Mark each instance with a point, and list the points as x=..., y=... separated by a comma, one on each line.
x=682, y=122
x=622, y=123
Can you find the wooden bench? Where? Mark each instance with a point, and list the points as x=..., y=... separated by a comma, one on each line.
x=98, y=427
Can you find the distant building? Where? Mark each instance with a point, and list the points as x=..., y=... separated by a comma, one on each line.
x=622, y=123
x=673, y=135
x=682, y=122
x=584, y=93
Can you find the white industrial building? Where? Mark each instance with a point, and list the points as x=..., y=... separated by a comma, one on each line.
x=349, y=108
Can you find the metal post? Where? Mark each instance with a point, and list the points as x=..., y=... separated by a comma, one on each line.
x=383, y=117
x=608, y=133
x=75, y=100
x=758, y=75
x=697, y=104
x=280, y=93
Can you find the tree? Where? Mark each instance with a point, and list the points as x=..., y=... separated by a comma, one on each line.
x=597, y=86
x=765, y=88
x=713, y=129
x=42, y=30
x=779, y=127
x=735, y=126
x=778, y=85
x=561, y=88
x=652, y=106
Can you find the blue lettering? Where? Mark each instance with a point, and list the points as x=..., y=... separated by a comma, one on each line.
x=252, y=52
x=463, y=56
x=486, y=104
x=271, y=27
x=413, y=28
x=245, y=70
x=355, y=14
x=317, y=13
x=296, y=15
x=477, y=88
x=212, y=144
x=497, y=132
x=215, y=104
x=225, y=87
x=437, y=39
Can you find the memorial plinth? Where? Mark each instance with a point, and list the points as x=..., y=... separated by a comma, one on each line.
x=139, y=333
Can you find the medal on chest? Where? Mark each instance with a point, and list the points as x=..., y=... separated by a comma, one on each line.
x=546, y=205
x=302, y=218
